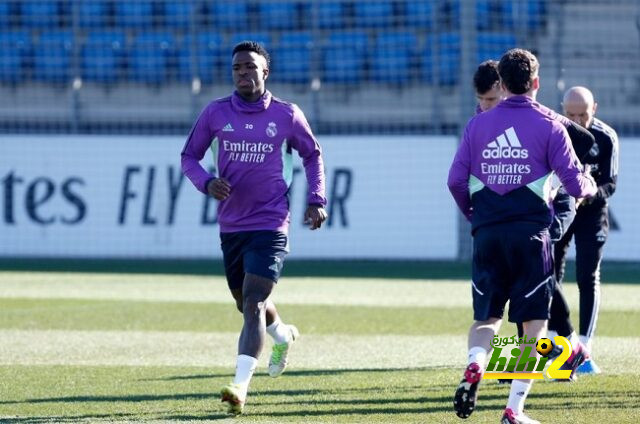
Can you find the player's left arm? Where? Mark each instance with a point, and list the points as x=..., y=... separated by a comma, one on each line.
x=608, y=166
x=309, y=150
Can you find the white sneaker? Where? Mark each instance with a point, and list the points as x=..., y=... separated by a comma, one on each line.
x=509, y=417
x=280, y=353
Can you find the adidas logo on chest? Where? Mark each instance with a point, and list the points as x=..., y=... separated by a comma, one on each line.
x=506, y=146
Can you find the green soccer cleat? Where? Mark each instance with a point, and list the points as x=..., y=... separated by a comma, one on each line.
x=280, y=353
x=232, y=395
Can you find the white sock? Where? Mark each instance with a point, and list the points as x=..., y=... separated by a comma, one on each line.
x=517, y=396
x=587, y=342
x=552, y=334
x=477, y=354
x=245, y=367
x=574, y=339
x=279, y=331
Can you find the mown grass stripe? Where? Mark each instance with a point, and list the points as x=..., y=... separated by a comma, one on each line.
x=293, y=290
x=133, y=348
x=77, y=314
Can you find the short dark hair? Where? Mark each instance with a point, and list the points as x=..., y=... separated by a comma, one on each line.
x=517, y=69
x=252, y=46
x=486, y=76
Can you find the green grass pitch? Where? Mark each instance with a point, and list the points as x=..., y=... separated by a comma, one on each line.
x=129, y=348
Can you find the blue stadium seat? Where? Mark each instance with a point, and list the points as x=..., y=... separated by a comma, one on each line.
x=393, y=57
x=5, y=14
x=373, y=14
x=40, y=14
x=492, y=45
x=426, y=60
x=178, y=14
x=102, y=56
x=261, y=37
x=449, y=14
x=536, y=14
x=345, y=56
x=419, y=14
x=278, y=15
x=507, y=21
x=149, y=57
x=14, y=47
x=229, y=14
x=484, y=12
x=93, y=14
x=494, y=15
x=292, y=58
x=448, y=59
x=134, y=14
x=52, y=56
x=208, y=53
x=330, y=14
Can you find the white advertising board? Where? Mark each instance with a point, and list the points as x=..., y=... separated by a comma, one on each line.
x=124, y=196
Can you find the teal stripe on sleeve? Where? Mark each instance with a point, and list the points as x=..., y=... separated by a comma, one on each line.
x=287, y=164
x=215, y=145
x=475, y=185
x=542, y=187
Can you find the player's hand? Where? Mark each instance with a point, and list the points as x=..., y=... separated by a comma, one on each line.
x=588, y=200
x=219, y=188
x=314, y=216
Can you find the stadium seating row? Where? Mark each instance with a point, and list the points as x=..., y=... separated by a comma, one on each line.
x=158, y=56
x=266, y=15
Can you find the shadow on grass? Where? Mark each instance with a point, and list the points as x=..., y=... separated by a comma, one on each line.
x=303, y=373
x=132, y=398
x=189, y=377
x=438, y=404
x=491, y=399
x=110, y=418
x=66, y=419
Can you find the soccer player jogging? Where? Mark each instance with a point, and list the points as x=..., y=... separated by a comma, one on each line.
x=498, y=179
x=252, y=135
x=486, y=82
x=590, y=227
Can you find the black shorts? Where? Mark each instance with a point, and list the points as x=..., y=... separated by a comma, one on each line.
x=512, y=262
x=255, y=252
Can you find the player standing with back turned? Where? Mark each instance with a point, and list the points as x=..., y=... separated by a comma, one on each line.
x=499, y=179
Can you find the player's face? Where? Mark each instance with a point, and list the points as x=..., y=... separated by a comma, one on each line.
x=489, y=99
x=249, y=70
x=580, y=112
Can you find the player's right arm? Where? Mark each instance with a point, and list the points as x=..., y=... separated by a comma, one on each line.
x=459, y=173
x=196, y=146
x=565, y=164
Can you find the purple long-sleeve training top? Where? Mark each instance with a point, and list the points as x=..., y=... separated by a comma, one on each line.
x=252, y=149
x=501, y=171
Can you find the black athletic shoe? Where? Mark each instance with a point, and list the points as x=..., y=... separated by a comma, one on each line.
x=464, y=401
